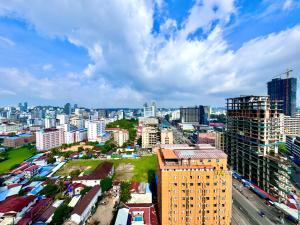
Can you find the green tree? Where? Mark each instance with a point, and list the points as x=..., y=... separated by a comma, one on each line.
x=139, y=141
x=61, y=213
x=50, y=190
x=85, y=190
x=125, y=193
x=282, y=148
x=51, y=159
x=106, y=184
x=75, y=173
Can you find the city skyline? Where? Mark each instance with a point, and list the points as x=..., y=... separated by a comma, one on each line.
x=122, y=54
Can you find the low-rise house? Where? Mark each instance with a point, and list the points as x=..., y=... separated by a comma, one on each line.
x=9, y=190
x=35, y=211
x=83, y=208
x=140, y=193
x=103, y=170
x=15, y=207
x=47, y=215
x=142, y=214
x=76, y=188
x=31, y=171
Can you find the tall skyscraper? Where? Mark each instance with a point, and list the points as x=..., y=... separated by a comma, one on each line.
x=254, y=131
x=194, y=187
x=67, y=109
x=198, y=114
x=283, y=92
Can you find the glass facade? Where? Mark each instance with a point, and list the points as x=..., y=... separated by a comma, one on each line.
x=283, y=92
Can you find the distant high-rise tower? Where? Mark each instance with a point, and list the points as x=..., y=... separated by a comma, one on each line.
x=150, y=111
x=198, y=114
x=283, y=92
x=67, y=109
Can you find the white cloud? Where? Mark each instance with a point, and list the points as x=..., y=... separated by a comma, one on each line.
x=287, y=4
x=47, y=67
x=4, y=92
x=130, y=65
x=7, y=41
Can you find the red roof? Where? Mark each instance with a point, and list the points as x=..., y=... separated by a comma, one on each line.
x=150, y=215
x=32, y=168
x=20, y=168
x=135, y=186
x=13, y=185
x=35, y=211
x=78, y=185
x=85, y=201
x=99, y=173
x=16, y=203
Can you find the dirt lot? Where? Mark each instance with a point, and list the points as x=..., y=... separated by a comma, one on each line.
x=104, y=213
x=75, y=148
x=124, y=171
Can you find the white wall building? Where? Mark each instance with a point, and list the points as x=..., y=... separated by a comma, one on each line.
x=150, y=111
x=75, y=136
x=50, y=122
x=95, y=129
x=62, y=119
x=9, y=128
x=49, y=138
x=83, y=208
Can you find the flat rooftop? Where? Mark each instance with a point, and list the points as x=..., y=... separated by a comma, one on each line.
x=193, y=154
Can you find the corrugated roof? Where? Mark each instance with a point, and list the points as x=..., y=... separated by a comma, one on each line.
x=99, y=173
x=85, y=201
x=200, y=154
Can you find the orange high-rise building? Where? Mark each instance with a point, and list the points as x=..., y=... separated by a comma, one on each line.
x=194, y=187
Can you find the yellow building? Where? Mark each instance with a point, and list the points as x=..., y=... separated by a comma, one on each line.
x=194, y=187
x=166, y=136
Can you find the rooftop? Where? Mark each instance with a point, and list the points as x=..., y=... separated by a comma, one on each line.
x=85, y=201
x=99, y=173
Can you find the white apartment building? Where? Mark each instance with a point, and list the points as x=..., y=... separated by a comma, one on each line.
x=166, y=137
x=95, y=129
x=120, y=135
x=6, y=128
x=77, y=122
x=75, y=136
x=49, y=138
x=291, y=125
x=150, y=111
x=50, y=122
x=150, y=137
x=62, y=119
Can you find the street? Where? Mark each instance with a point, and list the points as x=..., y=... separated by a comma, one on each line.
x=250, y=207
x=179, y=138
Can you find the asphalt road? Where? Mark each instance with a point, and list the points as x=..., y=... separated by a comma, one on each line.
x=249, y=210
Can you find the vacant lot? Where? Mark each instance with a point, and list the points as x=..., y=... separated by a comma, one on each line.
x=15, y=156
x=126, y=169
x=84, y=165
x=74, y=148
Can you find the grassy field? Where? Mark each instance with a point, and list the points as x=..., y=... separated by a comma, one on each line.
x=15, y=156
x=143, y=168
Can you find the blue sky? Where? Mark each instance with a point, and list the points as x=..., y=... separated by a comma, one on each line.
x=123, y=53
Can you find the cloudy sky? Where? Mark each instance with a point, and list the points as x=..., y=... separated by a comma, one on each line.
x=117, y=53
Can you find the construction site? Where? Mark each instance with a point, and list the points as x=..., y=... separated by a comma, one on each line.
x=254, y=131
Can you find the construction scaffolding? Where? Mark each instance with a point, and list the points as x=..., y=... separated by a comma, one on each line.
x=254, y=130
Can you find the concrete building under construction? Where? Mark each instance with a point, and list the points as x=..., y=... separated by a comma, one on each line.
x=253, y=134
